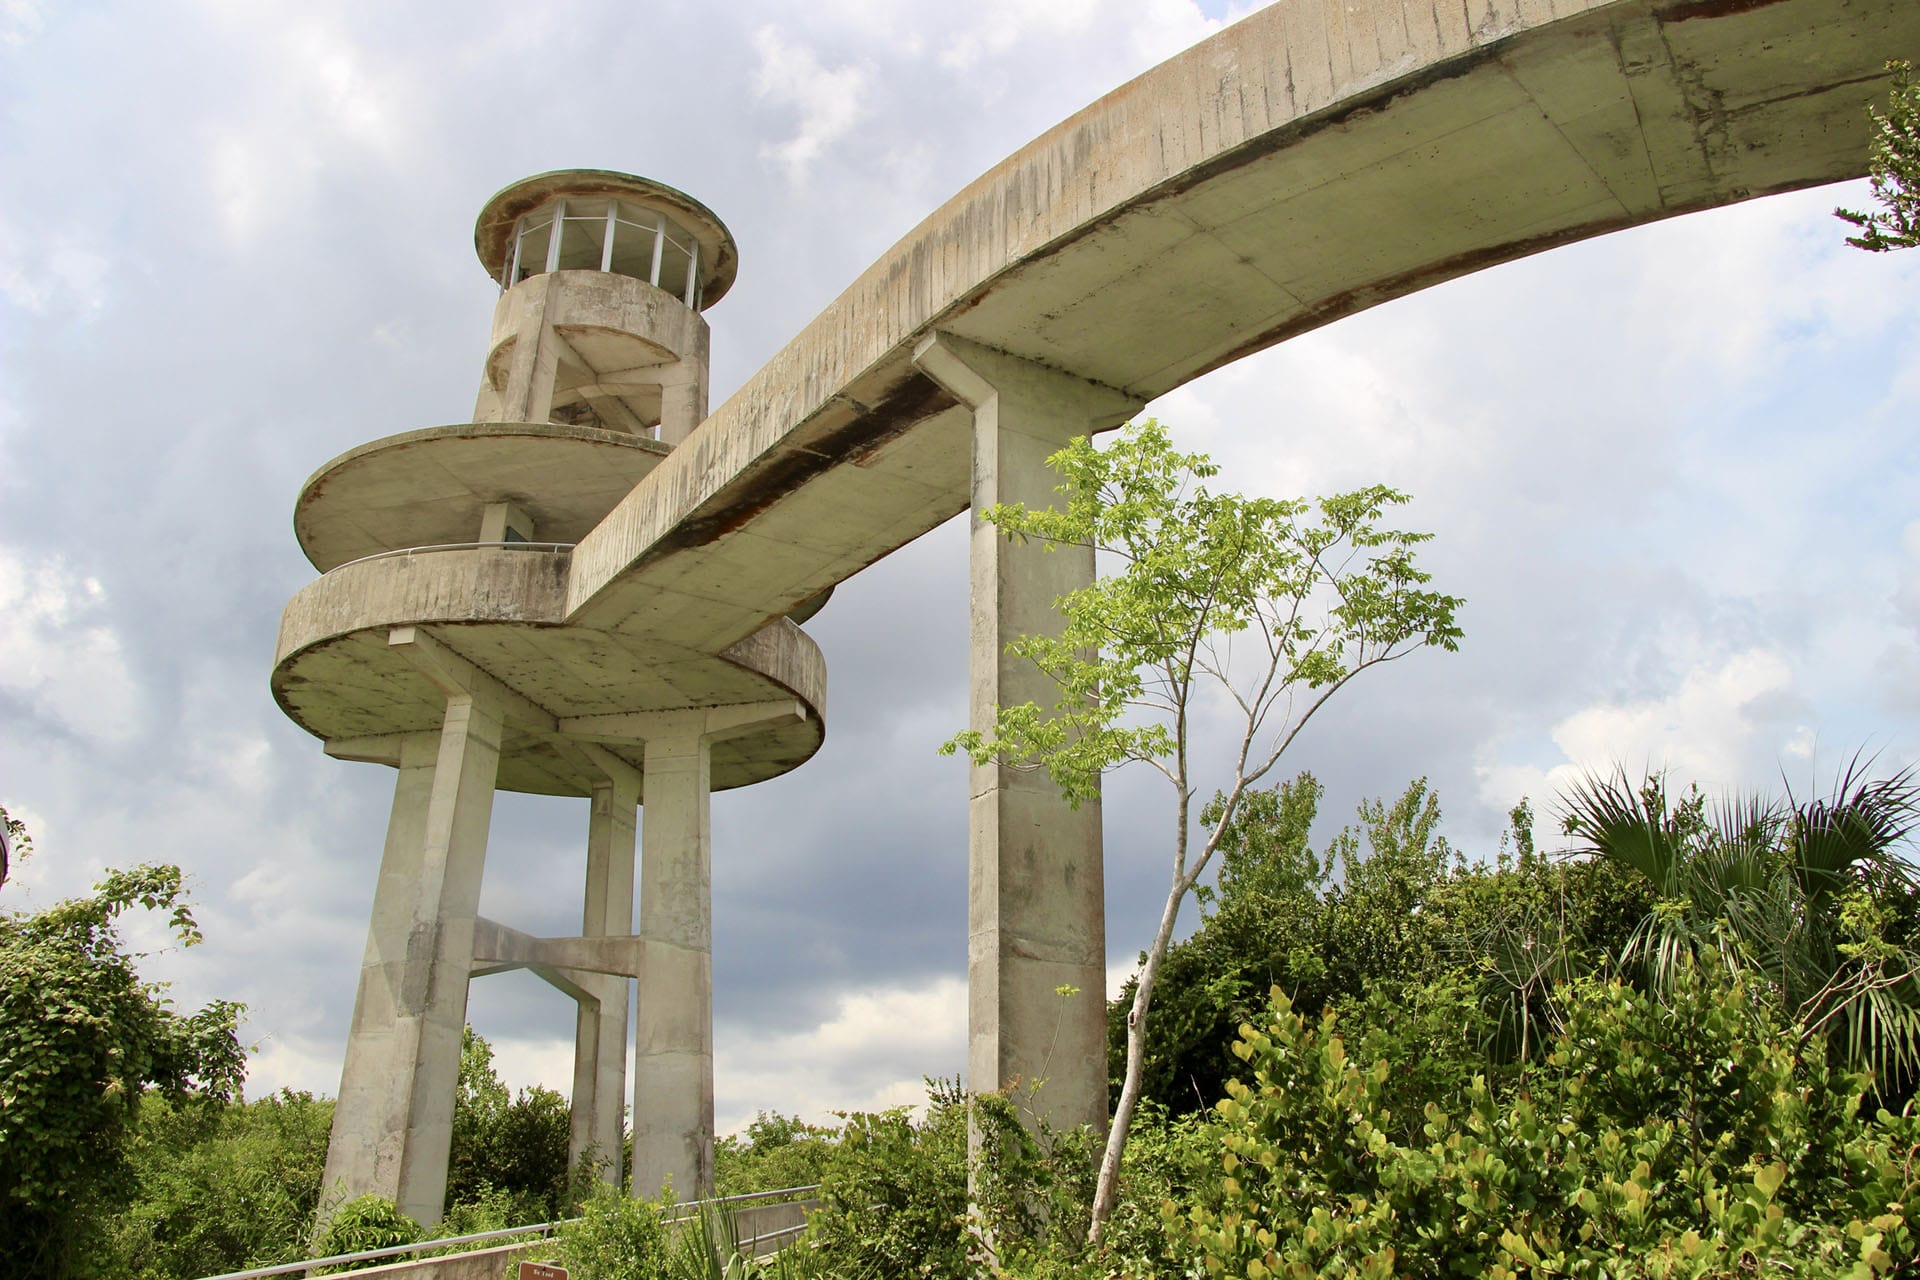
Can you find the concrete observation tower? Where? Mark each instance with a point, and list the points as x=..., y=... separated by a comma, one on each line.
x=437, y=641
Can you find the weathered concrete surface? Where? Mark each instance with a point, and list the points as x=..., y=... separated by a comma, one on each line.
x=498, y=608
x=1036, y=897
x=600, y=1031
x=633, y=356
x=479, y=1264
x=1311, y=161
x=1314, y=160
x=454, y=664
x=673, y=1031
x=493, y=229
x=423, y=488
x=393, y=1123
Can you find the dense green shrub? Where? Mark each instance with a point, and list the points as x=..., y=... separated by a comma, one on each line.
x=506, y=1145
x=614, y=1238
x=894, y=1197
x=1692, y=1136
x=82, y=1042
x=775, y=1153
x=1389, y=912
x=363, y=1223
x=220, y=1188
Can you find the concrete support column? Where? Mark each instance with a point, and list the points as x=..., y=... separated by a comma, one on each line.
x=673, y=1032
x=1036, y=904
x=393, y=1122
x=600, y=1035
x=683, y=406
x=532, y=366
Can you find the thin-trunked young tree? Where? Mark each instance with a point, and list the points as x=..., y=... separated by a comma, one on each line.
x=1278, y=603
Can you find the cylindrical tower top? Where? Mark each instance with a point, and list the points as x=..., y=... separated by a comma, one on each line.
x=598, y=220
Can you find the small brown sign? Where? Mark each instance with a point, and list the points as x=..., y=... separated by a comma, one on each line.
x=542, y=1271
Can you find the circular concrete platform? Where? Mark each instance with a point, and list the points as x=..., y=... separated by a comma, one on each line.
x=427, y=488
x=499, y=609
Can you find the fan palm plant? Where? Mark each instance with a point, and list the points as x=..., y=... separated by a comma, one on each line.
x=1796, y=894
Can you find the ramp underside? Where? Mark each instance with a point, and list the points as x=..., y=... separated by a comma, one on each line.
x=1312, y=161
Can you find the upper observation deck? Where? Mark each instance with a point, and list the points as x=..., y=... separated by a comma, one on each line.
x=596, y=366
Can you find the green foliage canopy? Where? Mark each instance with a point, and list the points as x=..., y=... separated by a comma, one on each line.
x=1810, y=898
x=1894, y=171
x=1388, y=922
x=82, y=1039
x=511, y=1152
x=219, y=1188
x=1275, y=602
x=1318, y=599
x=1659, y=1137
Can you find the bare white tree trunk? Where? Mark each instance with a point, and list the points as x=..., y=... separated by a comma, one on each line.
x=1107, y=1188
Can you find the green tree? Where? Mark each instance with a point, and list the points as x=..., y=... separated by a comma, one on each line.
x=220, y=1188
x=15, y=844
x=1894, y=171
x=1675, y=1137
x=1407, y=928
x=1277, y=603
x=775, y=1153
x=1812, y=899
x=82, y=1041
x=516, y=1147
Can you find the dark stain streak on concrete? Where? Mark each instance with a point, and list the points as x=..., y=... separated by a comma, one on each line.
x=1691, y=9
x=916, y=399
x=1333, y=117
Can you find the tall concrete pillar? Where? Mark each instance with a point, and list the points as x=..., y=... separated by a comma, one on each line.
x=673, y=1032
x=600, y=1036
x=1036, y=899
x=394, y=1119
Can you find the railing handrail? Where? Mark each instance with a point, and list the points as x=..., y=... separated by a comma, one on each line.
x=680, y=1213
x=554, y=547
x=387, y=1251
x=683, y=1209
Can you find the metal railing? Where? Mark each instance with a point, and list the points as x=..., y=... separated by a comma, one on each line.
x=680, y=1214
x=552, y=548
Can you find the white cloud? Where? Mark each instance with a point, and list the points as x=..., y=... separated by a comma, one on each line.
x=56, y=271
x=827, y=102
x=69, y=667
x=277, y=1064
x=316, y=91
x=870, y=1054
x=1907, y=594
x=998, y=25
x=1718, y=727
x=20, y=21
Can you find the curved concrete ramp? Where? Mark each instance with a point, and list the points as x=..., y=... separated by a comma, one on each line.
x=1316, y=159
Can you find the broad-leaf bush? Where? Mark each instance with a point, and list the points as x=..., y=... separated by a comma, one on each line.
x=894, y=1198
x=1692, y=1136
x=82, y=1040
x=220, y=1188
x=776, y=1152
x=364, y=1223
x=615, y=1238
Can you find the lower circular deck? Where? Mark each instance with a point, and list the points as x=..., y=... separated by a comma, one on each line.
x=498, y=611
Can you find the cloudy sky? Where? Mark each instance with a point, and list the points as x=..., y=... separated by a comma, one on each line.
x=1672, y=471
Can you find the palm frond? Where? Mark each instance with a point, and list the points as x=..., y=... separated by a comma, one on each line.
x=1627, y=826
x=1862, y=824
